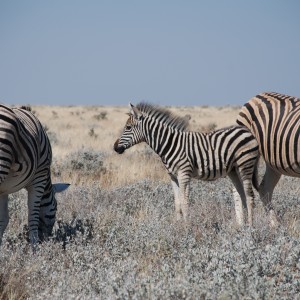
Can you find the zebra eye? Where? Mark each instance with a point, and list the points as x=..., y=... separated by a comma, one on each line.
x=128, y=127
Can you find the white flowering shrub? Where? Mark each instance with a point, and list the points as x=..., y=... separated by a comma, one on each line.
x=125, y=243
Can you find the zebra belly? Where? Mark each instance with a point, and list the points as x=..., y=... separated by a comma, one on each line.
x=294, y=171
x=290, y=167
x=15, y=181
x=209, y=174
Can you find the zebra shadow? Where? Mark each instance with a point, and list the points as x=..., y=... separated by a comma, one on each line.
x=77, y=230
x=67, y=232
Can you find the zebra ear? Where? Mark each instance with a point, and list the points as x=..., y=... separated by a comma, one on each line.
x=60, y=187
x=135, y=112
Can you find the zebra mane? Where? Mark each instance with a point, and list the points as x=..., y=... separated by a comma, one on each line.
x=26, y=107
x=163, y=115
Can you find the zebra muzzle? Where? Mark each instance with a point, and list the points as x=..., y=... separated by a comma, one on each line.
x=117, y=148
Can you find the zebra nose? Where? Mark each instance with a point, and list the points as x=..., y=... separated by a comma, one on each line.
x=117, y=148
x=116, y=144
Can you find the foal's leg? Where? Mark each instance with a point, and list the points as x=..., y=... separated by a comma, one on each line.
x=184, y=191
x=175, y=187
x=239, y=197
x=247, y=184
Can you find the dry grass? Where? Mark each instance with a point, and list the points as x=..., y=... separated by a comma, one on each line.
x=72, y=125
x=82, y=128
x=116, y=237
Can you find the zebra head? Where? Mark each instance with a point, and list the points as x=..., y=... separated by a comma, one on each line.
x=48, y=209
x=132, y=133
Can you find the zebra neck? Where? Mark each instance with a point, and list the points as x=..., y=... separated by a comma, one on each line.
x=162, y=138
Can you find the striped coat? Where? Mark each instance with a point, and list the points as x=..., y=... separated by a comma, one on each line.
x=25, y=159
x=231, y=151
x=274, y=120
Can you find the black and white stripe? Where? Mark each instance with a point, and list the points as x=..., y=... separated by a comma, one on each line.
x=25, y=159
x=231, y=151
x=274, y=120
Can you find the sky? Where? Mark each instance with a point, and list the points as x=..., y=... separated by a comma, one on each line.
x=72, y=52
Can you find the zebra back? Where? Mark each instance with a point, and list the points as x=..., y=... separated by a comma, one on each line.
x=217, y=152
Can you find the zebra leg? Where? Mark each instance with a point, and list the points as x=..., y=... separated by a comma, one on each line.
x=266, y=189
x=3, y=215
x=184, y=190
x=34, y=201
x=247, y=184
x=239, y=197
x=175, y=186
x=239, y=212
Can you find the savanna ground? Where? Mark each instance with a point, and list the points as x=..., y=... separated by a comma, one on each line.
x=116, y=236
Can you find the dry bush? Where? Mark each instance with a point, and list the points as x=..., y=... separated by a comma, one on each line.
x=125, y=243
x=86, y=167
x=12, y=285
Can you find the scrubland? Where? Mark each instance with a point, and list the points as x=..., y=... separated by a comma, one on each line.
x=116, y=236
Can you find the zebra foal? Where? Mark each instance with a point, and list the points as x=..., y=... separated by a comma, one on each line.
x=231, y=151
x=274, y=120
x=25, y=159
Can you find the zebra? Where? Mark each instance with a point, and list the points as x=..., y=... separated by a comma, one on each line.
x=231, y=151
x=25, y=159
x=274, y=120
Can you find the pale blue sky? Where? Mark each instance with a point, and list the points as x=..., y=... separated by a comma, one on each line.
x=73, y=52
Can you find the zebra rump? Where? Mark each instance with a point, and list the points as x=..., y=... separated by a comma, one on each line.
x=274, y=120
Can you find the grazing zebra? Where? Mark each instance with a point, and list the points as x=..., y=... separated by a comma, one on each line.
x=231, y=151
x=274, y=120
x=25, y=158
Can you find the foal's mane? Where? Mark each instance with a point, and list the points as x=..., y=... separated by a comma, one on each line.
x=163, y=115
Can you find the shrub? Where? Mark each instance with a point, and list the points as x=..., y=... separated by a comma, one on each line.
x=125, y=244
x=51, y=135
x=101, y=116
x=81, y=165
x=92, y=133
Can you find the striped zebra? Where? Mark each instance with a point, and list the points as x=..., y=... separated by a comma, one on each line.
x=274, y=120
x=25, y=158
x=231, y=151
